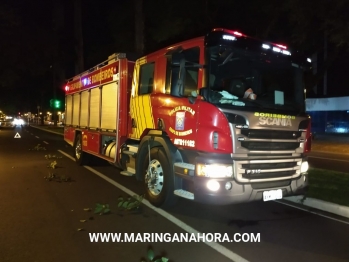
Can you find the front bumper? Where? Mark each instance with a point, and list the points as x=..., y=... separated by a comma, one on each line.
x=240, y=188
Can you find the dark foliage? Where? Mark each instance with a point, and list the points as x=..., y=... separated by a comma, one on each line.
x=38, y=36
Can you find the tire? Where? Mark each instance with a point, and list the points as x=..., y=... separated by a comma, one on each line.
x=81, y=157
x=159, y=179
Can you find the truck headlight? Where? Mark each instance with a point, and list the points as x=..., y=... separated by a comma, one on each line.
x=214, y=170
x=304, y=166
x=213, y=185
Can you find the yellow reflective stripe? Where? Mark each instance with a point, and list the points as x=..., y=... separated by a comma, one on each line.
x=140, y=115
x=148, y=111
x=140, y=106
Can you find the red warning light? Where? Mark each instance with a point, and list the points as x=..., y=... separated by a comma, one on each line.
x=282, y=46
x=66, y=88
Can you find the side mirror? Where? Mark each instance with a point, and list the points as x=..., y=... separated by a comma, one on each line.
x=192, y=98
x=178, y=74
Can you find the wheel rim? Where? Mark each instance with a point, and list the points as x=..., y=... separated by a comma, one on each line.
x=78, y=149
x=154, y=177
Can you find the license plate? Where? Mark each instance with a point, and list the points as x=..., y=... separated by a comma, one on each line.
x=272, y=195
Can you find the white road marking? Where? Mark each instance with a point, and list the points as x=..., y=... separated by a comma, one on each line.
x=37, y=137
x=221, y=249
x=312, y=212
x=45, y=142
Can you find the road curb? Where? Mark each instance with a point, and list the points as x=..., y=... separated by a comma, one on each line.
x=320, y=204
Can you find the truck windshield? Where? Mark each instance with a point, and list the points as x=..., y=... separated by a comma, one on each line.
x=233, y=73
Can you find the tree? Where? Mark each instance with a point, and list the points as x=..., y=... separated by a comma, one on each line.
x=78, y=37
x=139, y=27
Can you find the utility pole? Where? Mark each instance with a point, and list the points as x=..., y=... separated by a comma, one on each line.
x=38, y=107
x=325, y=63
x=314, y=62
x=56, y=67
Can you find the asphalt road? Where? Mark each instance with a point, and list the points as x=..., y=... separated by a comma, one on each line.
x=41, y=219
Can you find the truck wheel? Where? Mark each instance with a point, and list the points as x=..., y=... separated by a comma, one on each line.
x=80, y=156
x=158, y=178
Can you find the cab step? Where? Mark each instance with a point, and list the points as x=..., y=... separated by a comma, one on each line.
x=131, y=150
x=126, y=173
x=184, y=194
x=129, y=172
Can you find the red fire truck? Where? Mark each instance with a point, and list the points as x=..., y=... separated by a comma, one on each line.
x=217, y=119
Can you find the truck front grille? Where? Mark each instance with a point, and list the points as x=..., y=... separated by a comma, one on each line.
x=266, y=169
x=269, y=146
x=270, y=165
x=268, y=175
x=270, y=134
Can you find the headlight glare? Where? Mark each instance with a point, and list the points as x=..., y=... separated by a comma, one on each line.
x=304, y=167
x=213, y=185
x=214, y=170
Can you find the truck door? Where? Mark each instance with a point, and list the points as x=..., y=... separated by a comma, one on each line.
x=172, y=106
x=182, y=83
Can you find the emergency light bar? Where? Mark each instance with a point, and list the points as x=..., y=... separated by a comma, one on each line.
x=229, y=37
x=236, y=39
x=277, y=48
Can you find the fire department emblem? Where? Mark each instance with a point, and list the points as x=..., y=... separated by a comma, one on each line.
x=180, y=116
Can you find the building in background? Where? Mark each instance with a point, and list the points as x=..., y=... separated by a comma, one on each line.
x=329, y=115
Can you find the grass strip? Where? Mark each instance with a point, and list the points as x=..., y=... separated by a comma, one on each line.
x=329, y=186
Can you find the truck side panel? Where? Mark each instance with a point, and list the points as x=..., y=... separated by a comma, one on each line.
x=91, y=141
x=97, y=105
x=69, y=134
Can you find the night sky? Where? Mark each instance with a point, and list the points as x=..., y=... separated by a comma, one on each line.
x=38, y=43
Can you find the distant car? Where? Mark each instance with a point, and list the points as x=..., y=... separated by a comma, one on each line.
x=7, y=123
x=19, y=122
x=52, y=123
x=337, y=127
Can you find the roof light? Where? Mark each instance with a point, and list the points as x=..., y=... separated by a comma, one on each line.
x=282, y=46
x=285, y=52
x=308, y=60
x=237, y=33
x=279, y=50
x=265, y=46
x=66, y=88
x=276, y=49
x=229, y=37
